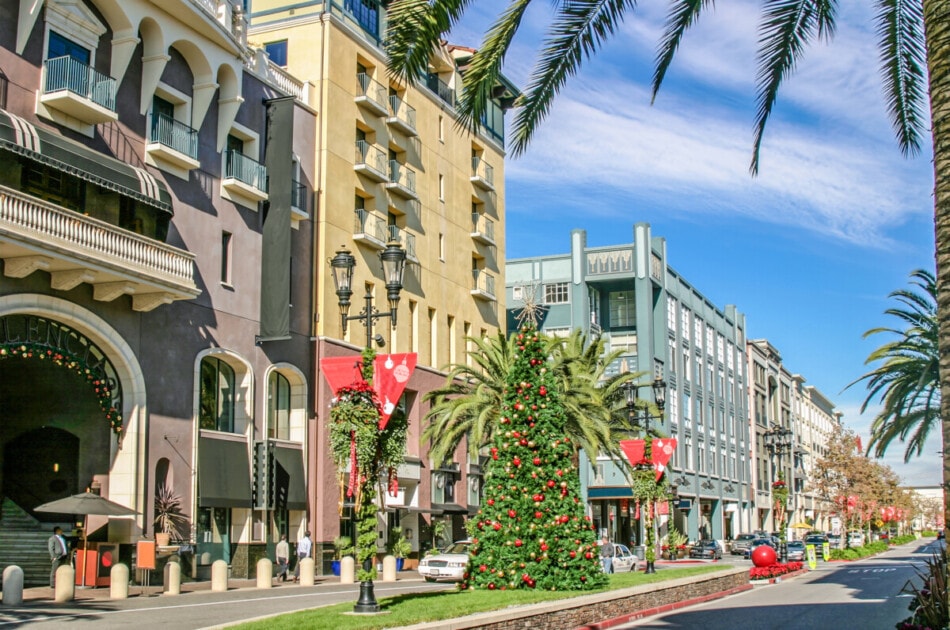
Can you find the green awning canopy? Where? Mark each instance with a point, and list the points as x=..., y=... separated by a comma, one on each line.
x=617, y=492
x=35, y=143
x=224, y=473
x=291, y=461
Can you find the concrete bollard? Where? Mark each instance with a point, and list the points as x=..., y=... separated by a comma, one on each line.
x=389, y=569
x=65, y=590
x=119, y=581
x=173, y=579
x=347, y=570
x=12, y=586
x=265, y=573
x=307, y=570
x=219, y=575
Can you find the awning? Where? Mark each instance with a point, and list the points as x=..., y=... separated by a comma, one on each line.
x=26, y=139
x=618, y=492
x=224, y=473
x=449, y=508
x=291, y=461
x=411, y=509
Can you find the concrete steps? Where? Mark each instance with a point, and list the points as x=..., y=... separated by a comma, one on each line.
x=23, y=543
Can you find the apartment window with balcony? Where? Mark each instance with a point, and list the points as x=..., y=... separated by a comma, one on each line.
x=366, y=14
x=277, y=51
x=140, y=218
x=60, y=46
x=557, y=293
x=53, y=185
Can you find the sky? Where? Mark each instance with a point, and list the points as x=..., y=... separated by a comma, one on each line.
x=808, y=250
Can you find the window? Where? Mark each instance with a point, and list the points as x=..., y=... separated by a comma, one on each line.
x=441, y=187
x=226, y=240
x=441, y=129
x=277, y=51
x=216, y=397
x=366, y=14
x=671, y=314
x=53, y=185
x=59, y=46
x=622, y=309
x=278, y=406
x=442, y=247
x=556, y=293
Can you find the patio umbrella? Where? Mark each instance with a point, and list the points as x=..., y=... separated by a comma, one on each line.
x=85, y=504
x=801, y=525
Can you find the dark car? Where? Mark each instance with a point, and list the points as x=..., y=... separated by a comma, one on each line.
x=706, y=549
x=816, y=539
x=757, y=543
x=741, y=544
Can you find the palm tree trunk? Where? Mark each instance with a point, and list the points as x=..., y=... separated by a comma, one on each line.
x=937, y=27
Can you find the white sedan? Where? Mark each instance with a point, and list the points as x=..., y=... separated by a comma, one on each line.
x=448, y=565
x=624, y=560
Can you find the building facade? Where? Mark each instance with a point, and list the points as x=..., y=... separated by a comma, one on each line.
x=153, y=339
x=667, y=329
x=392, y=164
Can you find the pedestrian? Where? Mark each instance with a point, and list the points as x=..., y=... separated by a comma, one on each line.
x=283, y=558
x=607, y=554
x=58, y=553
x=304, y=545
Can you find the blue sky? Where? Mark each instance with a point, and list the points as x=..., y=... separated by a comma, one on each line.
x=808, y=250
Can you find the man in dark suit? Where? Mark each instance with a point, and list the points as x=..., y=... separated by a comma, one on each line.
x=58, y=553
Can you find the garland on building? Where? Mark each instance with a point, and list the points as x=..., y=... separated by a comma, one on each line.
x=648, y=492
x=531, y=530
x=74, y=364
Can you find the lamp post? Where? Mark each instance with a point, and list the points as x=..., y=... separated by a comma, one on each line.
x=778, y=441
x=640, y=416
x=393, y=259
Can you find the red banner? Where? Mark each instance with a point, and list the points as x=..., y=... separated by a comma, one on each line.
x=662, y=452
x=341, y=371
x=391, y=372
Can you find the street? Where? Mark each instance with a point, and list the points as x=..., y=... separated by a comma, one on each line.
x=864, y=594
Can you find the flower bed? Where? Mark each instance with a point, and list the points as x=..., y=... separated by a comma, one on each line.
x=774, y=571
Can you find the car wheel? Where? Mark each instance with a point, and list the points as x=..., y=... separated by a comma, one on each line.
x=429, y=579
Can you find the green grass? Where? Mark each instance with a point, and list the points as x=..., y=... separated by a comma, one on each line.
x=404, y=610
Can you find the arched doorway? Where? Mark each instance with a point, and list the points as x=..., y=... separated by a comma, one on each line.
x=41, y=465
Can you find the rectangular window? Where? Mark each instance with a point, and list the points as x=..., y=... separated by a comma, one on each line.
x=441, y=187
x=671, y=314
x=622, y=309
x=226, y=245
x=441, y=247
x=556, y=293
x=433, y=339
x=277, y=51
x=450, y=326
x=441, y=129
x=413, y=325
x=59, y=46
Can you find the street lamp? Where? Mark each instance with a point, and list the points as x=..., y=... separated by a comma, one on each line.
x=393, y=259
x=778, y=441
x=640, y=416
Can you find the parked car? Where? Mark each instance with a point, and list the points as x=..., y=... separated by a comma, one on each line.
x=795, y=551
x=740, y=545
x=816, y=539
x=834, y=540
x=855, y=539
x=706, y=549
x=448, y=565
x=624, y=560
x=757, y=543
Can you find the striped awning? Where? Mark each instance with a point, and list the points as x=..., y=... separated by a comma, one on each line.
x=35, y=143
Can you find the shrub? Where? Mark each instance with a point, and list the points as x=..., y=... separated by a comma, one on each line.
x=929, y=605
x=774, y=571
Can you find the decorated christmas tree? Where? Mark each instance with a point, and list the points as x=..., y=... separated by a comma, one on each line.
x=531, y=531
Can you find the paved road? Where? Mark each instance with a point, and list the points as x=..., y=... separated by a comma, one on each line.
x=197, y=609
x=867, y=594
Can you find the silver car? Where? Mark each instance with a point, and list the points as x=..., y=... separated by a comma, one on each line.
x=449, y=565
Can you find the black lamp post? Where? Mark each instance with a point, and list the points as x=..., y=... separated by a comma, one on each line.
x=641, y=417
x=342, y=264
x=778, y=441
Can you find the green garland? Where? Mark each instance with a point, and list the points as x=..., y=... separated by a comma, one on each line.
x=77, y=366
x=648, y=491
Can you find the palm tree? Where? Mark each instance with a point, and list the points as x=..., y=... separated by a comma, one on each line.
x=907, y=381
x=469, y=405
x=914, y=42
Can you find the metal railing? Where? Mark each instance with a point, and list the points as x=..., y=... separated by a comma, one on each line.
x=174, y=135
x=483, y=225
x=483, y=170
x=371, y=156
x=402, y=175
x=405, y=238
x=370, y=224
x=244, y=169
x=400, y=110
x=483, y=281
x=441, y=89
x=66, y=73
x=371, y=89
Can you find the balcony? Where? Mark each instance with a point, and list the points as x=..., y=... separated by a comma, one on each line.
x=402, y=180
x=483, y=285
x=406, y=239
x=402, y=116
x=299, y=201
x=371, y=95
x=245, y=177
x=441, y=89
x=371, y=161
x=75, y=249
x=172, y=142
x=483, y=175
x=483, y=229
x=80, y=92
x=370, y=228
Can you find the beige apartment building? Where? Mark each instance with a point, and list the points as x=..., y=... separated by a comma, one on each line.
x=392, y=164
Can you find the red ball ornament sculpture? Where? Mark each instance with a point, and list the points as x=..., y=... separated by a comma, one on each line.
x=763, y=556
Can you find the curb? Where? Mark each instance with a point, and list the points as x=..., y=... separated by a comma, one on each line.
x=656, y=610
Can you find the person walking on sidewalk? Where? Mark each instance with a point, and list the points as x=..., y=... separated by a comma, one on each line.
x=607, y=555
x=58, y=553
x=283, y=558
x=304, y=547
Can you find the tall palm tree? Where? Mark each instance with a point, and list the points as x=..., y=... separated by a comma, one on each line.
x=914, y=42
x=907, y=380
x=469, y=404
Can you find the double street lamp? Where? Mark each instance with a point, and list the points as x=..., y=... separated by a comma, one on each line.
x=778, y=441
x=639, y=415
x=393, y=259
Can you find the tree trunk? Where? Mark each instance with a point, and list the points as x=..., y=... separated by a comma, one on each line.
x=937, y=27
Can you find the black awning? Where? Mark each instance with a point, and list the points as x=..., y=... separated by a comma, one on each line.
x=26, y=139
x=449, y=508
x=224, y=473
x=411, y=509
x=291, y=461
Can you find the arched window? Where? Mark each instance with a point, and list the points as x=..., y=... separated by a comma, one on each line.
x=216, y=410
x=278, y=406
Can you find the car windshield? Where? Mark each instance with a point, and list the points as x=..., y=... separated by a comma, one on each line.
x=459, y=547
x=707, y=543
x=745, y=537
x=796, y=544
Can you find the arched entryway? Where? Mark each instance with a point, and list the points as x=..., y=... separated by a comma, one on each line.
x=41, y=465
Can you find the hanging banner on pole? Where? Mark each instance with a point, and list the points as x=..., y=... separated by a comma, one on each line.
x=663, y=449
x=391, y=373
x=341, y=371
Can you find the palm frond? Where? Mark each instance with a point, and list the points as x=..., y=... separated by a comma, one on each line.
x=682, y=15
x=414, y=32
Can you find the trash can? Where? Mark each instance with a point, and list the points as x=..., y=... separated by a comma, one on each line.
x=640, y=551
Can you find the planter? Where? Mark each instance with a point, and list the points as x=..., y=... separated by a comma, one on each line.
x=399, y=563
x=162, y=539
x=335, y=567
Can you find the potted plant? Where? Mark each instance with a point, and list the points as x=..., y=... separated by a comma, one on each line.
x=169, y=520
x=342, y=546
x=676, y=543
x=399, y=547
